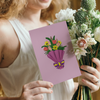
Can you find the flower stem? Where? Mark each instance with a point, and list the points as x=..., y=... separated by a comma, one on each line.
x=81, y=61
x=81, y=93
x=78, y=93
x=97, y=50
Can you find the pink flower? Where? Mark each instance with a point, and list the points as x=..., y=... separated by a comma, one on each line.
x=58, y=44
x=50, y=48
x=82, y=43
x=88, y=35
x=54, y=41
x=45, y=49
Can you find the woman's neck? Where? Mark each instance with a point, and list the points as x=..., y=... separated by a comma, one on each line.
x=32, y=15
x=31, y=19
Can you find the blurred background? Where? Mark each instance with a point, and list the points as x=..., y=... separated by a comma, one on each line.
x=75, y=4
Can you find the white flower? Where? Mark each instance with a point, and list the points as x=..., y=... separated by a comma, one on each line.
x=72, y=34
x=65, y=15
x=81, y=9
x=80, y=52
x=73, y=31
x=95, y=14
x=88, y=35
x=84, y=27
x=97, y=34
x=92, y=41
x=82, y=43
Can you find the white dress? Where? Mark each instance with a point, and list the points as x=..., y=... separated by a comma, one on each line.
x=25, y=69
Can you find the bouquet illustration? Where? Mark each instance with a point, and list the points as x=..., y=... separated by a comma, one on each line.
x=84, y=30
x=55, y=51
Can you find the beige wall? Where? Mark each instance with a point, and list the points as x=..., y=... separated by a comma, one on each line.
x=75, y=4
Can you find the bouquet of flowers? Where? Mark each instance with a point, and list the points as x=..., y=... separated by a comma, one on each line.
x=84, y=30
x=54, y=50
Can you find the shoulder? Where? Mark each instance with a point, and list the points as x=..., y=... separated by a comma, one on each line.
x=5, y=33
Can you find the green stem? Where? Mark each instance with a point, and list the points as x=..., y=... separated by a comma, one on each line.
x=81, y=61
x=97, y=50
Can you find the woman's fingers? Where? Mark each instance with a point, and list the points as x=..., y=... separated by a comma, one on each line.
x=40, y=90
x=35, y=90
x=92, y=86
x=90, y=77
x=97, y=62
x=37, y=97
x=38, y=84
x=91, y=70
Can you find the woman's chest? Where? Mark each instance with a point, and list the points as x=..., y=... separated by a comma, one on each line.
x=16, y=47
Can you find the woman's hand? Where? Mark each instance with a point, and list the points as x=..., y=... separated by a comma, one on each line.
x=91, y=78
x=35, y=90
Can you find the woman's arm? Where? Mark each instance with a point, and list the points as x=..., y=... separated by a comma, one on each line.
x=6, y=98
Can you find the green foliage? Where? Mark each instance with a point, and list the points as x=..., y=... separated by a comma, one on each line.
x=47, y=52
x=95, y=22
x=53, y=37
x=69, y=24
x=61, y=48
x=49, y=40
x=44, y=46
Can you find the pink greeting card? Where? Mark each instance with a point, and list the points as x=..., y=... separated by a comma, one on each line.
x=53, y=49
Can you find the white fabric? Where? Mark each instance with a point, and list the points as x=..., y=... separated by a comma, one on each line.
x=25, y=69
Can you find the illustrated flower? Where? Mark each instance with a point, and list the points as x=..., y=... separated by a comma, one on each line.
x=55, y=47
x=82, y=43
x=80, y=52
x=45, y=49
x=97, y=34
x=59, y=42
x=54, y=41
x=46, y=43
x=50, y=48
x=65, y=15
x=52, y=44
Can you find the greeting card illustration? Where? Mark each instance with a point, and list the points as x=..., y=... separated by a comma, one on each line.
x=54, y=50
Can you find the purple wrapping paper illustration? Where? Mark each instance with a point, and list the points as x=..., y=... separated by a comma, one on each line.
x=55, y=60
x=57, y=57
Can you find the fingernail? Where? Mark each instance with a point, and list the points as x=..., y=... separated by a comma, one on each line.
x=93, y=59
x=41, y=96
x=81, y=71
x=51, y=85
x=51, y=91
x=82, y=66
x=83, y=80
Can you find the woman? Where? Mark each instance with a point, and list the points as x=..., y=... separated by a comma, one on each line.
x=18, y=66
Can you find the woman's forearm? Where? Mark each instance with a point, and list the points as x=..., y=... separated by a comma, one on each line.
x=8, y=98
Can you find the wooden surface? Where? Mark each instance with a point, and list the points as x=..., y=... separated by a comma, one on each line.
x=75, y=4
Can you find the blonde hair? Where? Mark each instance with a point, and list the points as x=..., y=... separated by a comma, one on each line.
x=14, y=8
